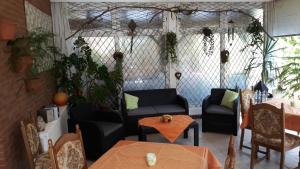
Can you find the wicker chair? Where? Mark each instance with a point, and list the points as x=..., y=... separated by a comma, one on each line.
x=68, y=151
x=37, y=160
x=245, y=96
x=268, y=131
x=230, y=159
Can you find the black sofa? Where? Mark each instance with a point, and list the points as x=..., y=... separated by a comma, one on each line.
x=151, y=103
x=100, y=130
x=217, y=118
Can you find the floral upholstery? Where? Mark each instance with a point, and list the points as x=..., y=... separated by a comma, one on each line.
x=43, y=161
x=268, y=123
x=70, y=155
x=33, y=138
x=246, y=96
x=290, y=142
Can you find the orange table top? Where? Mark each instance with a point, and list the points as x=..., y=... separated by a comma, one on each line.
x=171, y=130
x=132, y=155
x=292, y=115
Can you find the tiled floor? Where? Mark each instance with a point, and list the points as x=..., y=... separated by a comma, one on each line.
x=218, y=144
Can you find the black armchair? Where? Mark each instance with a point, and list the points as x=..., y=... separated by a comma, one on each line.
x=100, y=130
x=217, y=118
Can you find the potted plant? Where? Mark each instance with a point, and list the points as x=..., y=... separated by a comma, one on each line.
x=30, y=50
x=208, y=39
x=28, y=55
x=7, y=30
x=171, y=42
x=21, y=59
x=224, y=56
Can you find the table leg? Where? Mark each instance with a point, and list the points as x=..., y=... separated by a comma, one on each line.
x=196, y=135
x=186, y=133
x=142, y=136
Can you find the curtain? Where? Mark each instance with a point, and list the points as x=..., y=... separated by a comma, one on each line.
x=61, y=27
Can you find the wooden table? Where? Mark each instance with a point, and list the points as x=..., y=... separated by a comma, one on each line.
x=131, y=155
x=172, y=130
x=292, y=115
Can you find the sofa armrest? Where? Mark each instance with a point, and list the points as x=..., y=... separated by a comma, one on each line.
x=183, y=102
x=236, y=106
x=205, y=103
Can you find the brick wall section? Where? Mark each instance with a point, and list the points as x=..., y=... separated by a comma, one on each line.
x=14, y=108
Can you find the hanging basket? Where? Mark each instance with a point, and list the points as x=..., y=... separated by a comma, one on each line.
x=224, y=56
x=7, y=30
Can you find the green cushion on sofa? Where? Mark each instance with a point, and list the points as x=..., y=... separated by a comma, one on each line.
x=131, y=101
x=228, y=98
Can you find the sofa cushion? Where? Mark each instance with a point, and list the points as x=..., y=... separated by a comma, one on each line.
x=229, y=98
x=131, y=101
x=155, y=96
x=169, y=109
x=217, y=109
x=216, y=96
x=142, y=111
x=109, y=127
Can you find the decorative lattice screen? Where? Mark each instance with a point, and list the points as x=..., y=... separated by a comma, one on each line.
x=145, y=65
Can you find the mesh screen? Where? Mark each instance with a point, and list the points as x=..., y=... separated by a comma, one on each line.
x=144, y=63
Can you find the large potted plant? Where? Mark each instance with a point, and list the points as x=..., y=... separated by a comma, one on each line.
x=85, y=80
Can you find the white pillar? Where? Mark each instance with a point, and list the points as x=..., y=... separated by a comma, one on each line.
x=171, y=26
x=223, y=31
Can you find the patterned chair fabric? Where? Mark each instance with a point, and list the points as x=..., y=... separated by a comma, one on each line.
x=43, y=161
x=70, y=155
x=32, y=144
x=246, y=96
x=268, y=126
x=33, y=138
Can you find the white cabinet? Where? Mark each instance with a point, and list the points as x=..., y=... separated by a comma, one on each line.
x=54, y=129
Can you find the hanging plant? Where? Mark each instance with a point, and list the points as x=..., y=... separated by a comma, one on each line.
x=224, y=56
x=171, y=42
x=255, y=29
x=132, y=26
x=208, y=39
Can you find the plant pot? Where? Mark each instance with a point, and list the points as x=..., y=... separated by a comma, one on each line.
x=224, y=56
x=22, y=63
x=33, y=84
x=7, y=30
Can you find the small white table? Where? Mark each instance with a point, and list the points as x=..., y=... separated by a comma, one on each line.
x=54, y=129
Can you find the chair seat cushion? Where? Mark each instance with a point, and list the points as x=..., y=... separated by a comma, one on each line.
x=218, y=110
x=142, y=111
x=109, y=127
x=169, y=109
x=291, y=141
x=43, y=161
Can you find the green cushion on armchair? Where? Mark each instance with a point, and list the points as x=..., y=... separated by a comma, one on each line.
x=228, y=98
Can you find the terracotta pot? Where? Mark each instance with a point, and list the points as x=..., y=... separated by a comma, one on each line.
x=33, y=84
x=60, y=98
x=7, y=30
x=22, y=63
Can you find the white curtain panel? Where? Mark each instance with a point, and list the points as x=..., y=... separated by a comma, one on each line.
x=61, y=27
